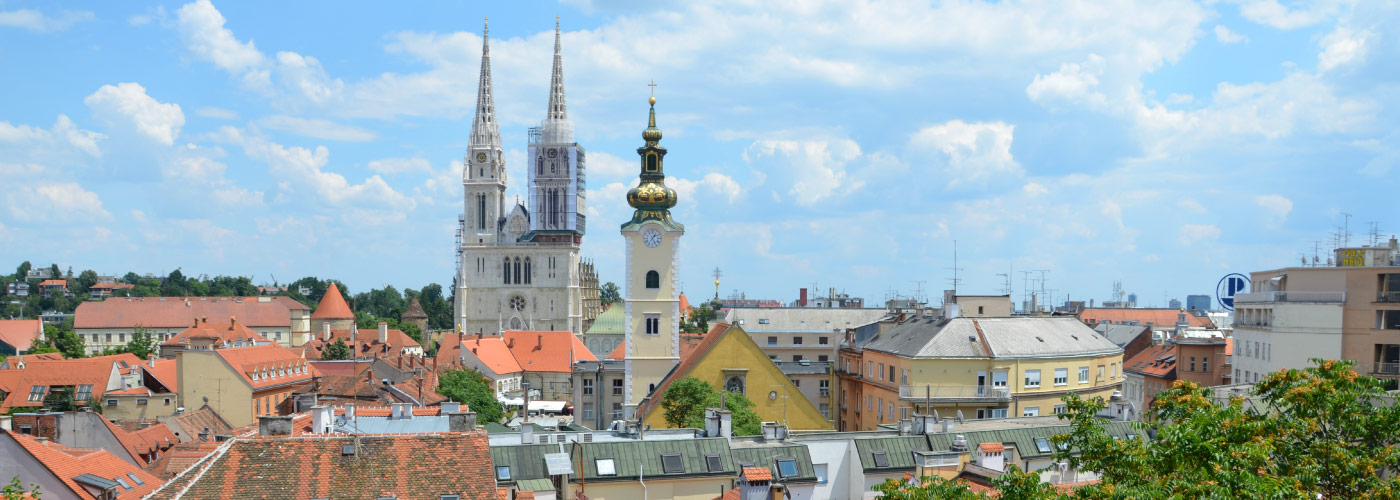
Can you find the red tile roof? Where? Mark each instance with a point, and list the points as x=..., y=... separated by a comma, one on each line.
x=180, y=312
x=1156, y=361
x=1229, y=346
x=229, y=331
x=992, y=447
x=164, y=371
x=492, y=352
x=546, y=351
x=192, y=423
x=143, y=443
x=13, y=361
x=97, y=372
x=363, y=343
x=1160, y=318
x=54, y=283
x=620, y=352
x=21, y=333
x=316, y=467
x=685, y=305
x=752, y=474
x=68, y=463
x=333, y=305
x=111, y=286
x=414, y=311
x=267, y=365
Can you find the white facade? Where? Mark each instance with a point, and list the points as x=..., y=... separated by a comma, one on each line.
x=1271, y=334
x=517, y=272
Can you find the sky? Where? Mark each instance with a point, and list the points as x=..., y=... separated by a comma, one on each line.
x=845, y=144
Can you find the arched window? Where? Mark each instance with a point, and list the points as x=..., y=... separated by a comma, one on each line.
x=481, y=211
x=539, y=166
x=505, y=270
x=527, y=270
x=651, y=162
x=517, y=270
x=653, y=279
x=734, y=384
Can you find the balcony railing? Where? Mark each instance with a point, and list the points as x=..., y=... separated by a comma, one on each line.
x=1302, y=296
x=1387, y=369
x=967, y=392
x=1388, y=297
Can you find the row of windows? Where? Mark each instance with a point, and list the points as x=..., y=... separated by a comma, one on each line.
x=588, y=387
x=511, y=271
x=1032, y=377
x=797, y=340
x=822, y=358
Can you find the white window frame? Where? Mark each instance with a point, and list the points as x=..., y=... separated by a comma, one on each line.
x=1083, y=374
x=1028, y=376
x=1061, y=376
x=1030, y=411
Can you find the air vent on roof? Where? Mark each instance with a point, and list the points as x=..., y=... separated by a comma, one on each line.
x=1042, y=339
x=972, y=338
x=347, y=450
x=1076, y=337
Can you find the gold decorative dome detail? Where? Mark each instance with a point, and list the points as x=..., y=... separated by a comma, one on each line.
x=653, y=195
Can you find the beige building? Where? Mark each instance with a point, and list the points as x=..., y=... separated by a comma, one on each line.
x=1347, y=311
x=241, y=383
x=111, y=323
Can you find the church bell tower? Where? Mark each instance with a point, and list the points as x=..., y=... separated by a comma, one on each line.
x=652, y=328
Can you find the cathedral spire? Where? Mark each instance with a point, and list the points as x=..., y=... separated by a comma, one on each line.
x=557, y=110
x=484, y=131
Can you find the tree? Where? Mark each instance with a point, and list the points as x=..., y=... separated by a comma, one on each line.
x=14, y=490
x=65, y=340
x=1322, y=432
x=337, y=351
x=609, y=293
x=85, y=281
x=22, y=272
x=685, y=401
x=474, y=389
x=55, y=271
x=131, y=278
x=60, y=398
x=142, y=343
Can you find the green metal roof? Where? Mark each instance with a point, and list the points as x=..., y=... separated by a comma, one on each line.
x=526, y=462
x=610, y=322
x=499, y=428
x=767, y=456
x=535, y=485
x=898, y=450
x=1023, y=439
x=629, y=456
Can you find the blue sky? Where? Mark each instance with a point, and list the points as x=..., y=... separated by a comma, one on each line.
x=844, y=144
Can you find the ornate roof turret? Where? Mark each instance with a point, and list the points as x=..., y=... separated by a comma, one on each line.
x=557, y=110
x=652, y=199
x=484, y=130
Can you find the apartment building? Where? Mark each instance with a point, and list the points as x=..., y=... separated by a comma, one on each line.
x=111, y=323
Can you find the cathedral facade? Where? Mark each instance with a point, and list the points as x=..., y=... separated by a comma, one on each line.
x=518, y=263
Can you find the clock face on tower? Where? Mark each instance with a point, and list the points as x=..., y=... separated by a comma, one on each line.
x=481, y=157
x=652, y=238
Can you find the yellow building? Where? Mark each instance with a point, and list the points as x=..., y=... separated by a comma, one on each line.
x=651, y=330
x=982, y=368
x=729, y=359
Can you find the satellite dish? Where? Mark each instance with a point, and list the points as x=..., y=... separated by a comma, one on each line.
x=960, y=416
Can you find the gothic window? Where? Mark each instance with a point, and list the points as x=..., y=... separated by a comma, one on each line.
x=527, y=270
x=553, y=167
x=653, y=279
x=517, y=303
x=505, y=270
x=734, y=384
x=517, y=270
x=481, y=211
x=539, y=166
x=515, y=323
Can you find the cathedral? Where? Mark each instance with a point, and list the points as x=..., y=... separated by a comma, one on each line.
x=518, y=265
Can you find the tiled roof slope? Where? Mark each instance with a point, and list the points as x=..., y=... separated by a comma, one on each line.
x=766, y=458
x=316, y=467
x=68, y=463
x=414, y=311
x=97, y=372
x=180, y=312
x=1156, y=361
x=628, y=455
x=267, y=365
x=333, y=305
x=926, y=337
x=1160, y=318
x=188, y=425
x=20, y=333
x=363, y=342
x=229, y=331
x=493, y=353
x=546, y=351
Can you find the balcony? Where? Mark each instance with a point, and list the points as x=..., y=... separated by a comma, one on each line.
x=954, y=393
x=1302, y=296
x=1388, y=297
x=1392, y=369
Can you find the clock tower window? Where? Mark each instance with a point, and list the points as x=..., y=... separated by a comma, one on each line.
x=653, y=324
x=653, y=279
x=527, y=270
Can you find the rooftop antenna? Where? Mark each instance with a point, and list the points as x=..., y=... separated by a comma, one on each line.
x=1375, y=233
x=955, y=280
x=918, y=289
x=1346, y=229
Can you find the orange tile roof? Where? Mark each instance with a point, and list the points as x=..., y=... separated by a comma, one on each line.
x=492, y=352
x=13, y=361
x=363, y=342
x=546, y=351
x=1160, y=318
x=685, y=305
x=752, y=474
x=272, y=364
x=413, y=311
x=68, y=463
x=194, y=422
x=111, y=286
x=164, y=371
x=992, y=447
x=333, y=305
x=21, y=333
x=620, y=352
x=1155, y=361
x=1229, y=346
x=53, y=283
x=96, y=372
x=144, y=443
x=180, y=312
x=316, y=467
x=230, y=331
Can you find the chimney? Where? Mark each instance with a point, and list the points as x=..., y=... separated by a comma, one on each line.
x=527, y=432
x=275, y=425
x=322, y=418
x=349, y=411
x=719, y=423
x=204, y=319
x=326, y=332
x=383, y=332
x=204, y=434
x=510, y=343
x=151, y=360
x=232, y=322
x=449, y=407
x=369, y=375
x=802, y=297
x=959, y=444
x=774, y=431
x=458, y=421
x=539, y=341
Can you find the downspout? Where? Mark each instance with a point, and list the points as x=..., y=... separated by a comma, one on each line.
x=639, y=480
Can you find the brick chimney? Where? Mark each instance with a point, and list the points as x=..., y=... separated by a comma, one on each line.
x=461, y=421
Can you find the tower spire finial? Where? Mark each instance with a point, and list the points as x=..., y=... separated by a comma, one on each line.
x=557, y=108
x=484, y=130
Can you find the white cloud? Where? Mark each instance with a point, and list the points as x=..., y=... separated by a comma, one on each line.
x=38, y=22
x=1072, y=83
x=393, y=166
x=1192, y=206
x=1277, y=206
x=139, y=20
x=372, y=201
x=1272, y=13
x=815, y=169
x=604, y=166
x=202, y=27
x=216, y=113
x=1341, y=47
x=127, y=104
x=974, y=152
x=1224, y=35
x=718, y=183
x=54, y=203
x=316, y=128
x=1193, y=233
x=1034, y=189
x=36, y=144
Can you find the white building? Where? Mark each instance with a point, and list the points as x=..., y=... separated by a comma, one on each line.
x=519, y=267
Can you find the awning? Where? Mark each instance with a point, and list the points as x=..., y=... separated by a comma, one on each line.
x=548, y=406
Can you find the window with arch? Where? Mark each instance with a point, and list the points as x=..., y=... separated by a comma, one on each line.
x=653, y=279
x=527, y=270
x=734, y=384
x=481, y=211
x=539, y=166
x=651, y=162
x=517, y=270
x=505, y=270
